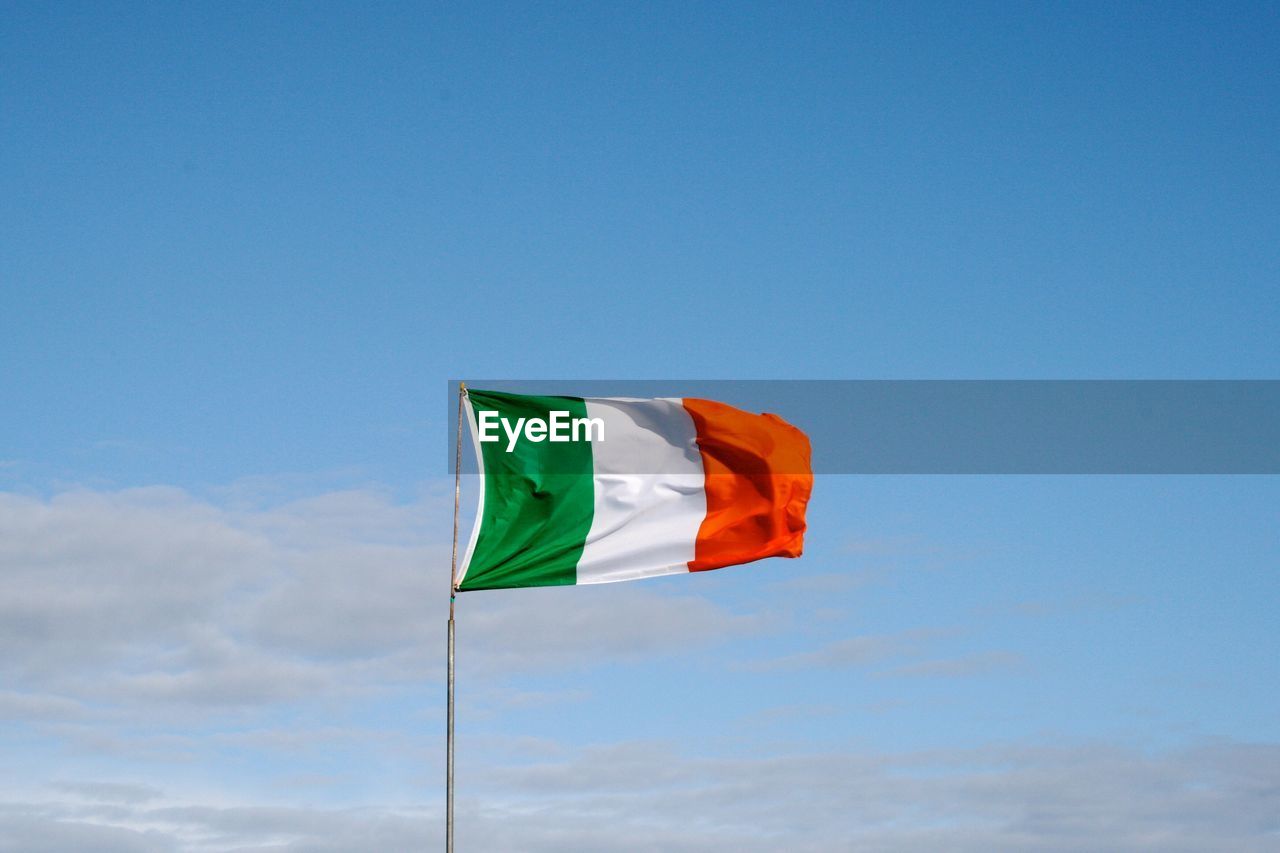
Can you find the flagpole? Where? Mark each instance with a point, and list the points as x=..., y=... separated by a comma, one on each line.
x=453, y=583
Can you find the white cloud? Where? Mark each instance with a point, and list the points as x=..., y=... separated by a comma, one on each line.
x=35, y=706
x=864, y=650
x=109, y=792
x=154, y=598
x=125, y=616
x=646, y=796
x=979, y=663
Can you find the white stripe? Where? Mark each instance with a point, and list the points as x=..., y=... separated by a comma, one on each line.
x=470, y=415
x=646, y=523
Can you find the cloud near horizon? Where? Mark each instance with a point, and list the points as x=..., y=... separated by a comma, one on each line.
x=131, y=619
x=643, y=796
x=153, y=597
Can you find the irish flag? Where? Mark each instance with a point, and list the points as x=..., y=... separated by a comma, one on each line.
x=592, y=490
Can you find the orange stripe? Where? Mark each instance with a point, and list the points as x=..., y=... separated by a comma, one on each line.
x=758, y=485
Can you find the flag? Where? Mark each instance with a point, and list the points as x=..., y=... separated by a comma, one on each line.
x=594, y=490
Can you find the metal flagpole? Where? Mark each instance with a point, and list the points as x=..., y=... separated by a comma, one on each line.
x=453, y=583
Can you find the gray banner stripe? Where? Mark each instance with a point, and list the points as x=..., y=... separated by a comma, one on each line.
x=993, y=426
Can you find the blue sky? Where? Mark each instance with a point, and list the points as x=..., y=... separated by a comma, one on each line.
x=244, y=247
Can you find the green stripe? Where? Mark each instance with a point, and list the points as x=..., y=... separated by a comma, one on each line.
x=538, y=501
